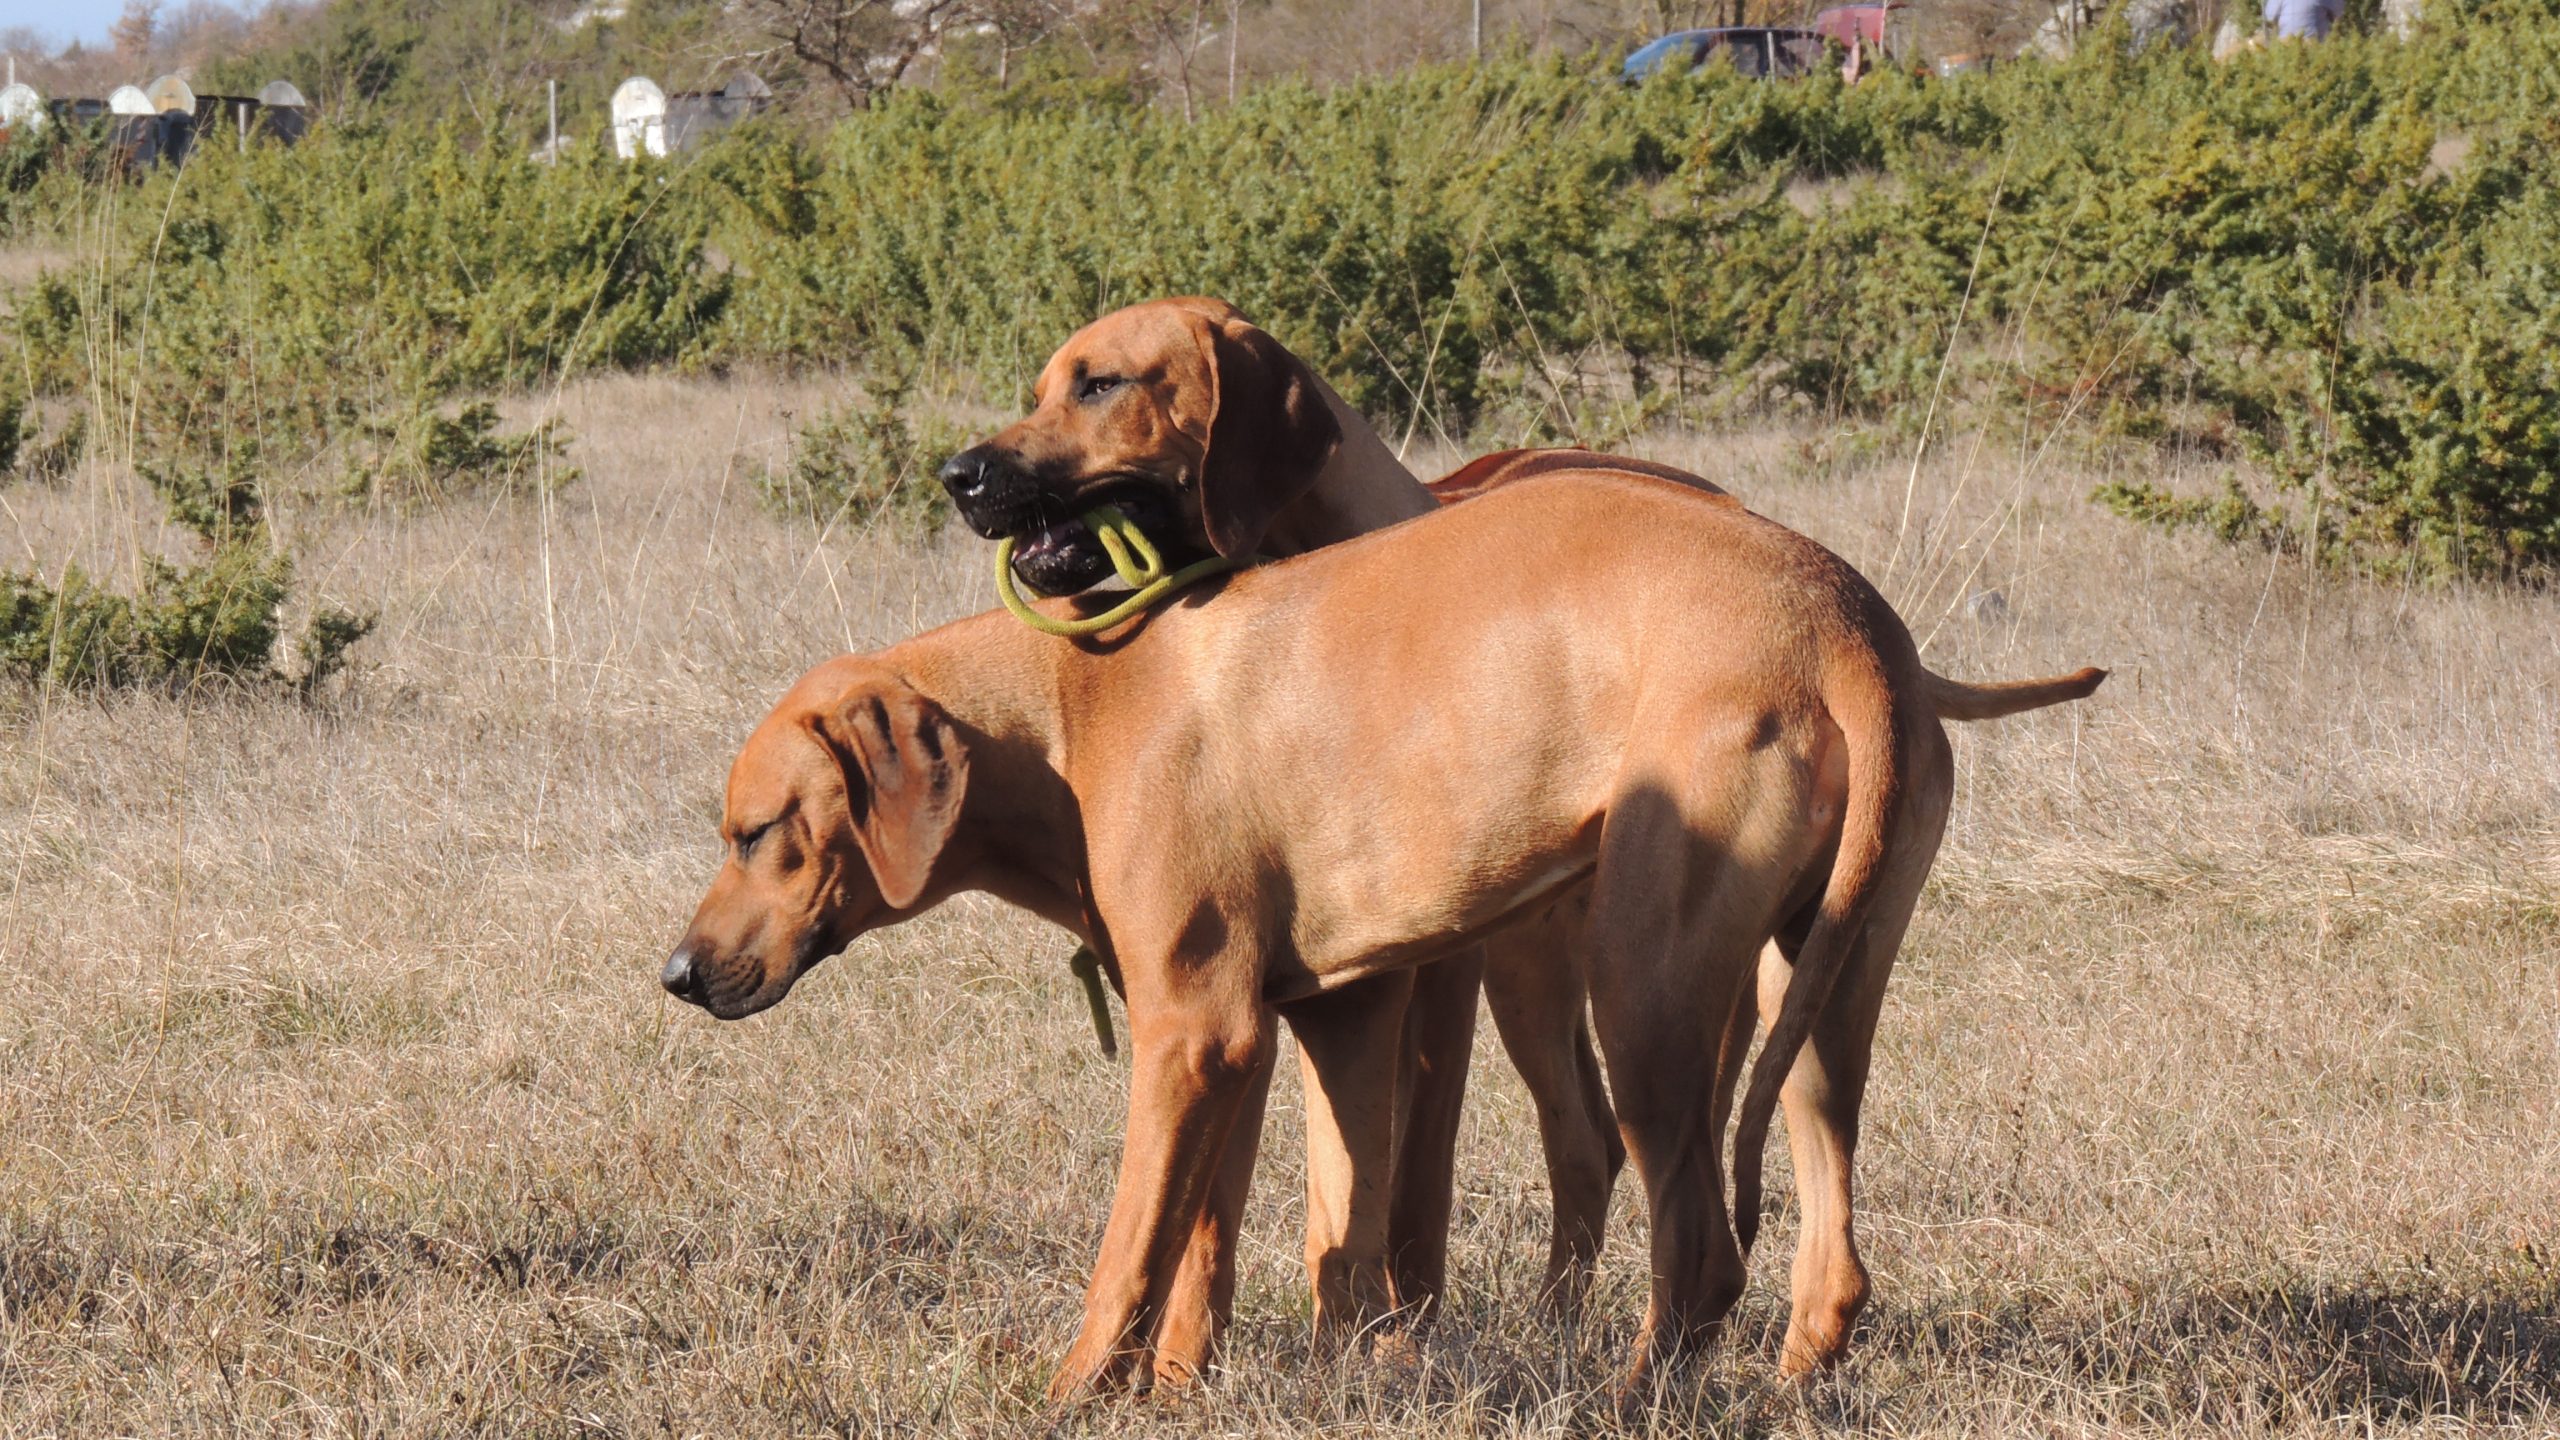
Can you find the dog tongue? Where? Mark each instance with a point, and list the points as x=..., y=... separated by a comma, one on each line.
x=1049, y=537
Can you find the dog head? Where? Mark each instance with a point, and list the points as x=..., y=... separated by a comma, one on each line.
x=838, y=810
x=1191, y=420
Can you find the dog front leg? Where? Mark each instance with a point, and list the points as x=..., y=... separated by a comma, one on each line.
x=1191, y=1071
x=1439, y=1040
x=1204, y=1289
x=1534, y=983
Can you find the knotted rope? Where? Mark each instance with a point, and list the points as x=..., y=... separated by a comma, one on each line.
x=1134, y=559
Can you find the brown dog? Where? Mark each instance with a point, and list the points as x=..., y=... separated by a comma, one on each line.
x=1125, y=412
x=1245, y=799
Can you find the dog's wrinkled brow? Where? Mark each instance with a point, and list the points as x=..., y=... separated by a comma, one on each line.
x=734, y=832
x=1040, y=386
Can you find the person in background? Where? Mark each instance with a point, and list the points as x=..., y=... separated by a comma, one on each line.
x=2302, y=19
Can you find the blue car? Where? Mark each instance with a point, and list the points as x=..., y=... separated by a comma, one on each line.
x=1763, y=52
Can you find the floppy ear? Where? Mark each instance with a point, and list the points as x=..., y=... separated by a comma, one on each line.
x=1268, y=436
x=904, y=772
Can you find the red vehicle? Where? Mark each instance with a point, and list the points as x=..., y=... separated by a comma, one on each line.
x=1863, y=23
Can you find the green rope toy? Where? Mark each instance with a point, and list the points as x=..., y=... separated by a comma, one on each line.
x=1133, y=557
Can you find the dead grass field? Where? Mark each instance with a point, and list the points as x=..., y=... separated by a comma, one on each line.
x=2219, y=1091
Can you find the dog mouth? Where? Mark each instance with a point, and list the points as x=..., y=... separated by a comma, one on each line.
x=724, y=1000
x=1044, y=543
x=1057, y=554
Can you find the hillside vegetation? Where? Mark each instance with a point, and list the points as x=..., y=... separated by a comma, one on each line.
x=2324, y=268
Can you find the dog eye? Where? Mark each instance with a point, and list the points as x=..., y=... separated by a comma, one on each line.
x=1094, y=387
x=747, y=841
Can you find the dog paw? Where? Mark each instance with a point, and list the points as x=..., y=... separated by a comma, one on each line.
x=1081, y=1380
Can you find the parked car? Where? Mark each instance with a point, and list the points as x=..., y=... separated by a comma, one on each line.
x=1763, y=52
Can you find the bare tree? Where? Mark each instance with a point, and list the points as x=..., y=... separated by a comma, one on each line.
x=1170, y=33
x=197, y=33
x=1186, y=51
x=1017, y=25
x=863, y=47
x=133, y=31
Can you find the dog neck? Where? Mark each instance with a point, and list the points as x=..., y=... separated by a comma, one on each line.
x=1362, y=487
x=1021, y=832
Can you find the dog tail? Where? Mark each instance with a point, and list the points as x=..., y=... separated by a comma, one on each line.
x=1955, y=700
x=1874, y=728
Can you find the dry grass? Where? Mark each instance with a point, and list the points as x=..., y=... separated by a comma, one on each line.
x=2216, y=1095
x=22, y=263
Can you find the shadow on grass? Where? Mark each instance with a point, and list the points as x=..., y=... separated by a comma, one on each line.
x=2239, y=1354
x=2221, y=1358
x=2484, y=1351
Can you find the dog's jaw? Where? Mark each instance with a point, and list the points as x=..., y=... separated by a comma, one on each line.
x=711, y=987
x=1062, y=555
x=1060, y=558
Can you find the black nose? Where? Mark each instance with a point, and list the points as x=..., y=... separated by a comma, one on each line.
x=679, y=975
x=970, y=475
x=991, y=490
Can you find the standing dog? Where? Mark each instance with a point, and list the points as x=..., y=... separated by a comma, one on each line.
x=1217, y=440
x=1246, y=800
x=1125, y=414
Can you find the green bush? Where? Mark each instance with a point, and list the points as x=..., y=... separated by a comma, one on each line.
x=26, y=159
x=2269, y=257
x=216, y=504
x=219, y=617
x=2154, y=245
x=2436, y=439
x=294, y=295
x=215, y=618
x=427, y=455
x=15, y=424
x=865, y=463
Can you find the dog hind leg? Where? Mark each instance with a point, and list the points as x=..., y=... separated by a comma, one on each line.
x=1826, y=1087
x=1679, y=908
